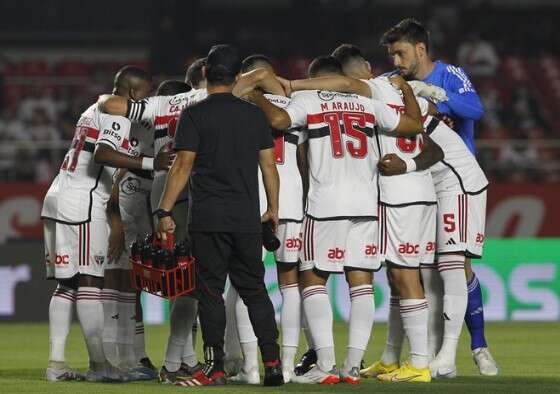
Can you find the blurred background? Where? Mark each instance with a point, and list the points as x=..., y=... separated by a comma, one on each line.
x=56, y=57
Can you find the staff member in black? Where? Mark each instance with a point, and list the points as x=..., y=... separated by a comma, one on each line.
x=220, y=141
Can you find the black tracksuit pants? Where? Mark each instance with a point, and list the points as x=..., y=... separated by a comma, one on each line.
x=239, y=255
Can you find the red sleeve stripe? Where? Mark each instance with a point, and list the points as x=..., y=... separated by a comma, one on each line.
x=163, y=120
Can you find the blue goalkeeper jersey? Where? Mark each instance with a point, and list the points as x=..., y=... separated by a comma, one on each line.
x=464, y=105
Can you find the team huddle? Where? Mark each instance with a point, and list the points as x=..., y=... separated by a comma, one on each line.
x=374, y=170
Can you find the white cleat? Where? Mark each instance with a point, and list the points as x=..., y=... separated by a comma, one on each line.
x=317, y=376
x=485, y=362
x=441, y=370
x=288, y=374
x=250, y=377
x=64, y=374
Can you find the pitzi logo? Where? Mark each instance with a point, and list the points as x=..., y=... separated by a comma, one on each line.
x=130, y=186
x=115, y=126
x=99, y=259
x=112, y=133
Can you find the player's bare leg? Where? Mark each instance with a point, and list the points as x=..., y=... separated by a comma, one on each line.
x=320, y=319
x=290, y=319
x=60, y=318
x=474, y=318
x=414, y=314
x=362, y=311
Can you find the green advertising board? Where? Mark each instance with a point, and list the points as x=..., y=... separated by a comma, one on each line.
x=520, y=279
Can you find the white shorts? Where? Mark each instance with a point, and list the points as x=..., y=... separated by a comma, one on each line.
x=332, y=245
x=407, y=234
x=289, y=234
x=72, y=249
x=461, y=221
x=134, y=203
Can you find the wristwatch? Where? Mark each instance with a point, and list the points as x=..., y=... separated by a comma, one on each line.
x=162, y=213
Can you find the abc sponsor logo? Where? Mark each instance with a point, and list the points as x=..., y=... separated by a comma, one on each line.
x=431, y=247
x=293, y=243
x=336, y=254
x=409, y=249
x=479, y=239
x=61, y=260
x=371, y=250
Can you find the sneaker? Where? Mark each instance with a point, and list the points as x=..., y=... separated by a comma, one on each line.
x=350, y=377
x=248, y=377
x=107, y=374
x=442, y=370
x=168, y=377
x=146, y=366
x=199, y=378
x=407, y=373
x=317, y=376
x=232, y=366
x=288, y=374
x=485, y=362
x=378, y=368
x=273, y=375
x=64, y=374
x=307, y=361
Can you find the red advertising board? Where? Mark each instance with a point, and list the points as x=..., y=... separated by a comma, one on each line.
x=514, y=210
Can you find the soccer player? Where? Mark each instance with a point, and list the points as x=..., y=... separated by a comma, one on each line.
x=76, y=229
x=341, y=222
x=161, y=113
x=287, y=146
x=408, y=45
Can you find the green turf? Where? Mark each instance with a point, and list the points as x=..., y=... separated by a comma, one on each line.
x=528, y=355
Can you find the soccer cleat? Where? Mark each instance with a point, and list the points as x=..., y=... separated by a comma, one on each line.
x=108, y=374
x=378, y=368
x=199, y=378
x=273, y=375
x=64, y=374
x=317, y=376
x=485, y=362
x=407, y=373
x=232, y=366
x=307, y=361
x=441, y=370
x=288, y=374
x=350, y=377
x=248, y=377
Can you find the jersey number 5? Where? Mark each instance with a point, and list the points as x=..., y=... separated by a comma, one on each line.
x=357, y=148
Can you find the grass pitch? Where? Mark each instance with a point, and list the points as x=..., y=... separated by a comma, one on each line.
x=527, y=353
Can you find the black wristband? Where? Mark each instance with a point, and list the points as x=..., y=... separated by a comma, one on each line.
x=162, y=213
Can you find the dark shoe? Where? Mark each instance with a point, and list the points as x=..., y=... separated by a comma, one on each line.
x=187, y=371
x=199, y=378
x=147, y=363
x=273, y=375
x=307, y=361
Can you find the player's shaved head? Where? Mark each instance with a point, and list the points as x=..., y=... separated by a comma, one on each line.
x=171, y=87
x=255, y=61
x=352, y=60
x=324, y=65
x=195, y=78
x=132, y=82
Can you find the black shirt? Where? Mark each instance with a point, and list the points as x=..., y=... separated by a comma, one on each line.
x=227, y=134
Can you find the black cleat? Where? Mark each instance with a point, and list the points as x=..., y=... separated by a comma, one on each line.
x=147, y=363
x=273, y=375
x=307, y=361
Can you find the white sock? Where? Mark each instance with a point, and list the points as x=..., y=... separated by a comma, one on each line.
x=140, y=342
x=320, y=319
x=126, y=327
x=414, y=313
x=189, y=350
x=247, y=337
x=395, y=334
x=90, y=314
x=180, y=320
x=306, y=330
x=60, y=318
x=111, y=317
x=362, y=311
x=452, y=271
x=433, y=290
x=290, y=322
x=232, y=347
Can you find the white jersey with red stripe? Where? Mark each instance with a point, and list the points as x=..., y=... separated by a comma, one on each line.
x=458, y=172
x=412, y=187
x=162, y=113
x=80, y=191
x=342, y=154
x=285, y=152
